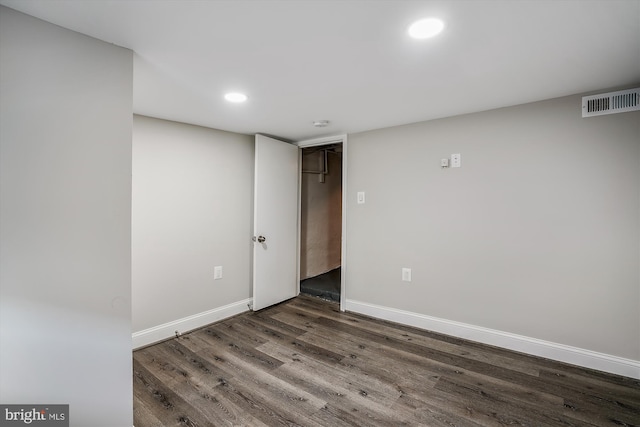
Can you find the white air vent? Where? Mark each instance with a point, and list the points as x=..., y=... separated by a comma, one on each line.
x=611, y=103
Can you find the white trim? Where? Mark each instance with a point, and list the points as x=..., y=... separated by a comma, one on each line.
x=343, y=261
x=299, y=231
x=168, y=330
x=336, y=139
x=560, y=352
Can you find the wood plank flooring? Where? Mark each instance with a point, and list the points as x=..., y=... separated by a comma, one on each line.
x=303, y=363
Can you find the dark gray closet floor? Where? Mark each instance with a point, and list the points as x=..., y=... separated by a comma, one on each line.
x=326, y=285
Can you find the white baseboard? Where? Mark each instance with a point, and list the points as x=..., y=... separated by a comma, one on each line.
x=167, y=330
x=563, y=353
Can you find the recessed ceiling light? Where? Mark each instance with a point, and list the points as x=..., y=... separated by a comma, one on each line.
x=235, y=97
x=425, y=28
x=321, y=123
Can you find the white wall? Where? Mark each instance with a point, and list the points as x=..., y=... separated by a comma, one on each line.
x=320, y=215
x=537, y=234
x=65, y=189
x=192, y=210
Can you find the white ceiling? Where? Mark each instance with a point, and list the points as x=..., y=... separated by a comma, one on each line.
x=351, y=61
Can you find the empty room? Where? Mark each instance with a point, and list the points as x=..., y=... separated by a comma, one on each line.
x=320, y=213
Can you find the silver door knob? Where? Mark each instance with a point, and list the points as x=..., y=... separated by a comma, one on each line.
x=259, y=239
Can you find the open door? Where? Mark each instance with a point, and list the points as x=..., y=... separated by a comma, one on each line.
x=275, y=220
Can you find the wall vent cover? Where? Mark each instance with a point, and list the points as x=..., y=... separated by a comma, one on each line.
x=611, y=103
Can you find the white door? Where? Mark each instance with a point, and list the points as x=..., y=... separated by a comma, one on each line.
x=275, y=222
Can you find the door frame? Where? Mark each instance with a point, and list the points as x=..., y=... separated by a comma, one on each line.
x=343, y=256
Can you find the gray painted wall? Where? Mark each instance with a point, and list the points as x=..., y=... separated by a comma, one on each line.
x=537, y=234
x=65, y=246
x=192, y=210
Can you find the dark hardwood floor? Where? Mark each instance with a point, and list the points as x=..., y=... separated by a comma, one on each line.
x=304, y=363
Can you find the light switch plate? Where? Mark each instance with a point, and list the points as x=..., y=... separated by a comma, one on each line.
x=455, y=160
x=360, y=197
x=406, y=274
x=217, y=272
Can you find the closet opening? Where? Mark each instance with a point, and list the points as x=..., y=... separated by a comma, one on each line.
x=321, y=221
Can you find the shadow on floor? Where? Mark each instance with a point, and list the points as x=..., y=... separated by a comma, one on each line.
x=326, y=285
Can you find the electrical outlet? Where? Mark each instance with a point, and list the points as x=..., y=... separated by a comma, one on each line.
x=217, y=272
x=455, y=160
x=406, y=274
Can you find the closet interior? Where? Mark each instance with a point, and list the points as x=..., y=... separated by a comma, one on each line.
x=321, y=221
